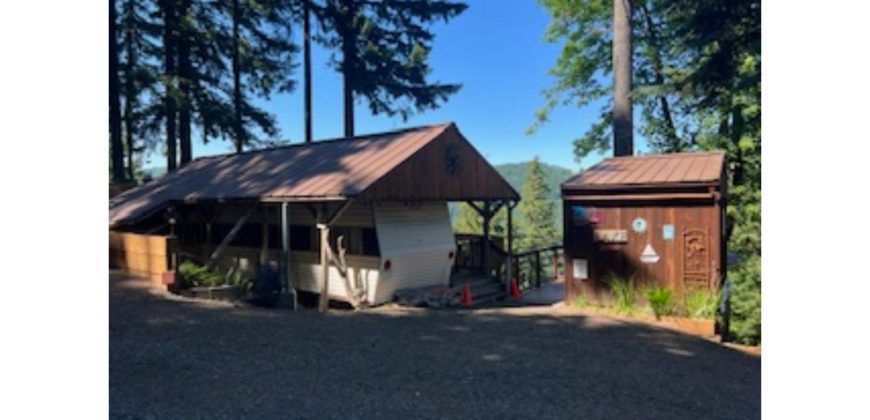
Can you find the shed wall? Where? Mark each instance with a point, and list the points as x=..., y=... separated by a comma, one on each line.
x=691, y=259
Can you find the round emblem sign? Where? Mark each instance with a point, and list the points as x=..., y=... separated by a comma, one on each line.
x=639, y=225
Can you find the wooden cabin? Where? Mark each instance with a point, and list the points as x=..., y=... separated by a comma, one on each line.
x=659, y=218
x=360, y=218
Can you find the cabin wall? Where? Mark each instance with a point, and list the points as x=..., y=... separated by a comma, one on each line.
x=690, y=256
x=419, y=243
x=306, y=273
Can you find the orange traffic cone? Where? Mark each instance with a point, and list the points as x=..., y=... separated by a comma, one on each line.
x=515, y=290
x=466, y=296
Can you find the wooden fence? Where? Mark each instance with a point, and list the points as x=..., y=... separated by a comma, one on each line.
x=140, y=254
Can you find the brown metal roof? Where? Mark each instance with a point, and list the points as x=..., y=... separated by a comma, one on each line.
x=322, y=170
x=657, y=170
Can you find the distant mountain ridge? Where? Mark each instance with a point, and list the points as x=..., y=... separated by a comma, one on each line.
x=516, y=173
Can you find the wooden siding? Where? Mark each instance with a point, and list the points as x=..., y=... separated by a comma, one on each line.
x=139, y=254
x=446, y=169
x=696, y=243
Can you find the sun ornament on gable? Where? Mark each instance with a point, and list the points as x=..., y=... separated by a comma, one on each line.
x=452, y=160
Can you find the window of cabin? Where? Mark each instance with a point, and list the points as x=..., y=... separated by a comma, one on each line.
x=370, y=242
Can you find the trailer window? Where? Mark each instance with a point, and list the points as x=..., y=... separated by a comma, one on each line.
x=370, y=242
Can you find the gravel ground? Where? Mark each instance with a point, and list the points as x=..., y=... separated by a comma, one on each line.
x=174, y=358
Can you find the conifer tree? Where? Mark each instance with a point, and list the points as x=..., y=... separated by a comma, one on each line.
x=259, y=46
x=117, y=148
x=138, y=74
x=537, y=210
x=467, y=220
x=383, y=49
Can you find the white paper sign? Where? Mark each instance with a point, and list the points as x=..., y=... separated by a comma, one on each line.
x=581, y=269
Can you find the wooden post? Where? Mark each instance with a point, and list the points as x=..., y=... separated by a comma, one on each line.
x=212, y=260
x=510, y=248
x=555, y=263
x=208, y=239
x=264, y=237
x=484, y=256
x=285, y=247
x=324, y=265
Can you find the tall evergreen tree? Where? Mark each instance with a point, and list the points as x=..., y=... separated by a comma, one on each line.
x=169, y=78
x=536, y=208
x=468, y=220
x=117, y=148
x=261, y=52
x=384, y=49
x=306, y=47
x=138, y=74
x=185, y=27
x=623, y=130
x=698, y=71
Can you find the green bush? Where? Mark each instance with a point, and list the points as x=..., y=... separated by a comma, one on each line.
x=659, y=298
x=746, y=301
x=623, y=291
x=195, y=275
x=700, y=304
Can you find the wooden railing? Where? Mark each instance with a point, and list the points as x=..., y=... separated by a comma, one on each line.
x=531, y=268
x=535, y=266
x=469, y=253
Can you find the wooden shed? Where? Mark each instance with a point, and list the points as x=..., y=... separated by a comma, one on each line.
x=352, y=219
x=660, y=218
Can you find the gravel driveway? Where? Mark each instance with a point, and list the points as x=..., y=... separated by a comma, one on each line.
x=171, y=358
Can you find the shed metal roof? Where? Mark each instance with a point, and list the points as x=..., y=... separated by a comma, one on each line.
x=673, y=169
x=323, y=170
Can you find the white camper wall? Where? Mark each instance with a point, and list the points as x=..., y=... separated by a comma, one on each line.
x=417, y=240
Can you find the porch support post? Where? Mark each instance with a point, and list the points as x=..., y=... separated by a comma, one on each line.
x=324, y=265
x=484, y=255
x=324, y=221
x=510, y=248
x=264, y=236
x=285, y=247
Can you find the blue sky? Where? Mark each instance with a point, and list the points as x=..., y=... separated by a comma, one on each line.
x=495, y=49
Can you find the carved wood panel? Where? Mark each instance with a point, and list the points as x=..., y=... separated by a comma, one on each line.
x=696, y=258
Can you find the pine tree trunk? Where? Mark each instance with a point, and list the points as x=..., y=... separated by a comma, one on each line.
x=130, y=94
x=307, y=67
x=115, y=99
x=128, y=125
x=170, y=113
x=622, y=119
x=237, y=87
x=184, y=71
x=348, y=49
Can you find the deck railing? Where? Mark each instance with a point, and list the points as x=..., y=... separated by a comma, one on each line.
x=531, y=267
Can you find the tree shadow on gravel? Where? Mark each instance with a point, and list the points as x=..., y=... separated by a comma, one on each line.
x=179, y=359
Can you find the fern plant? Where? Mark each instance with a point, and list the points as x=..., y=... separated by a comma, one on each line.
x=659, y=298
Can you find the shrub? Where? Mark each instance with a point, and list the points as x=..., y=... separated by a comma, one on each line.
x=195, y=275
x=700, y=304
x=623, y=290
x=659, y=298
x=746, y=301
